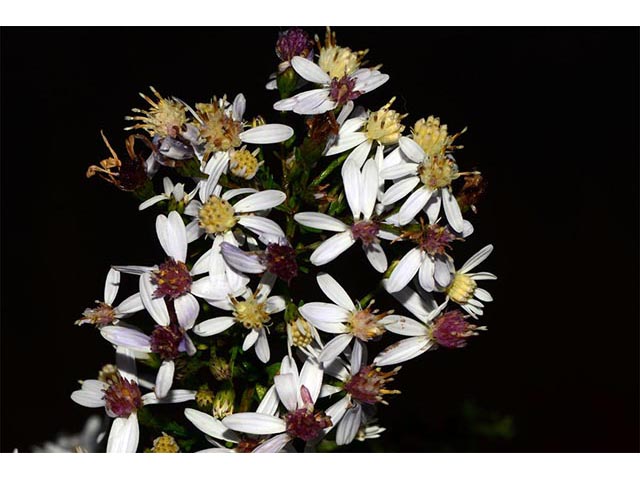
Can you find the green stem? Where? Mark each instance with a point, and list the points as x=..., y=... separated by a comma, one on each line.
x=330, y=168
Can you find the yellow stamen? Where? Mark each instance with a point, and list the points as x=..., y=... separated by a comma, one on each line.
x=461, y=288
x=217, y=216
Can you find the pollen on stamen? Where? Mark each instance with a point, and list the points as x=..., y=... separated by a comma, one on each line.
x=251, y=313
x=384, y=125
x=367, y=324
x=172, y=279
x=166, y=117
x=217, y=216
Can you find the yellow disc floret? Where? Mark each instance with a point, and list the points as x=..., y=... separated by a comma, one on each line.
x=243, y=164
x=431, y=136
x=217, y=215
x=384, y=125
x=365, y=324
x=338, y=61
x=165, y=117
x=218, y=128
x=300, y=332
x=165, y=444
x=438, y=171
x=251, y=312
x=461, y=288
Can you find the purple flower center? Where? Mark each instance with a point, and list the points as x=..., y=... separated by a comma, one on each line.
x=102, y=315
x=368, y=385
x=436, y=239
x=305, y=423
x=292, y=43
x=123, y=397
x=281, y=261
x=166, y=341
x=366, y=231
x=451, y=330
x=172, y=279
x=341, y=91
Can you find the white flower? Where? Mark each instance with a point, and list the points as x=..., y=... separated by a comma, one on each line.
x=435, y=172
x=361, y=190
x=105, y=313
x=464, y=290
x=298, y=393
x=334, y=92
x=342, y=317
x=119, y=394
x=253, y=312
x=170, y=190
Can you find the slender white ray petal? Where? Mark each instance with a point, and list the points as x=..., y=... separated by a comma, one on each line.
x=193, y=208
x=210, y=425
x=126, y=363
x=442, y=274
x=309, y=99
x=209, y=289
x=310, y=377
x=213, y=326
x=173, y=235
x=152, y=201
x=337, y=410
x=376, y=256
x=309, y=70
x=274, y=444
x=174, y=396
x=133, y=269
x=95, y=386
x=266, y=134
x=270, y=402
x=187, y=310
x=467, y=228
x=238, y=107
x=250, y=340
x=260, y=201
x=334, y=291
x=452, y=210
x=357, y=356
x=262, y=346
x=320, y=221
x=347, y=140
x=329, y=327
x=432, y=209
x=334, y=347
x=357, y=156
x=241, y=260
x=394, y=172
x=328, y=390
x=474, y=311
x=402, y=351
x=124, y=435
x=129, y=305
x=413, y=302
x=349, y=426
x=229, y=194
x=411, y=149
x=261, y=226
x=425, y=274
x=111, y=285
x=368, y=188
x=126, y=337
x=189, y=347
x=406, y=326
x=399, y=190
x=344, y=114
x=193, y=230
x=255, y=423
x=88, y=398
x=351, y=179
x=416, y=201
x=374, y=80
x=476, y=259
x=275, y=304
x=267, y=282
x=287, y=387
x=405, y=270
x=164, y=378
x=155, y=306
x=332, y=247
x=483, y=276
x=324, y=312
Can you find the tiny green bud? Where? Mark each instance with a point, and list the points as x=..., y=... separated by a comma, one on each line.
x=223, y=403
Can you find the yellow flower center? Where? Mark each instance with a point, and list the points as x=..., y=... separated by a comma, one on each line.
x=217, y=215
x=243, y=164
x=461, y=288
x=365, y=324
x=165, y=444
x=219, y=130
x=384, y=125
x=431, y=136
x=250, y=312
x=438, y=171
x=339, y=61
x=165, y=117
x=301, y=334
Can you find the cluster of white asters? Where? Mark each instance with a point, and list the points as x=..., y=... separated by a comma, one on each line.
x=391, y=182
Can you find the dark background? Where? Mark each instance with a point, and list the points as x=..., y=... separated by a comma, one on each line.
x=553, y=124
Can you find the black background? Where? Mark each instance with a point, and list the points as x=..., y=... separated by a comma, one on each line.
x=553, y=124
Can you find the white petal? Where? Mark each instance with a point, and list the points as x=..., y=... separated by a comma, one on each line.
x=405, y=270
x=476, y=259
x=347, y=141
x=270, y=402
x=334, y=291
x=442, y=273
x=130, y=305
x=213, y=326
x=311, y=377
x=402, y=351
x=287, y=389
x=330, y=327
x=351, y=179
x=255, y=423
x=241, y=260
x=331, y=248
x=399, y=190
x=483, y=276
x=315, y=104
x=126, y=337
x=337, y=411
x=316, y=312
x=133, y=269
x=358, y=356
x=111, y=285
x=187, y=310
x=172, y=235
x=309, y=70
x=452, y=210
x=250, y=340
x=432, y=208
x=261, y=226
x=164, y=378
x=262, y=346
x=88, y=398
x=151, y=201
x=210, y=425
x=483, y=295
x=275, y=444
x=344, y=114
x=275, y=304
x=394, y=172
x=320, y=221
x=126, y=363
x=266, y=134
x=357, y=156
x=229, y=194
x=414, y=302
x=238, y=107
x=210, y=289
x=467, y=228
x=416, y=202
x=425, y=275
x=349, y=426
x=174, y=396
x=155, y=306
x=193, y=231
x=334, y=347
x=405, y=326
x=412, y=150
x=124, y=435
x=260, y=201
x=376, y=256
x=369, y=188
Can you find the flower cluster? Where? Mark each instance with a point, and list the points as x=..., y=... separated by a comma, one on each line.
x=248, y=213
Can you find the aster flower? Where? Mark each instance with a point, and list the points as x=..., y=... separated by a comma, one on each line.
x=118, y=392
x=431, y=329
x=361, y=188
x=253, y=312
x=424, y=159
x=278, y=258
x=463, y=288
x=344, y=318
x=298, y=393
x=429, y=259
x=170, y=191
x=105, y=313
x=334, y=91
